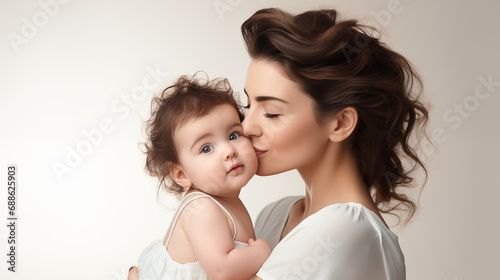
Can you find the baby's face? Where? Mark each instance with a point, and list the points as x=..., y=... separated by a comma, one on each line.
x=213, y=153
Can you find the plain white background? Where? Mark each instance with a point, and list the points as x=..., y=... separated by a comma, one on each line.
x=86, y=208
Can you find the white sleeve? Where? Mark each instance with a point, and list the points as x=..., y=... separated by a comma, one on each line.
x=335, y=243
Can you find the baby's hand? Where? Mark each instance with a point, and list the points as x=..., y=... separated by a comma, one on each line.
x=133, y=273
x=260, y=242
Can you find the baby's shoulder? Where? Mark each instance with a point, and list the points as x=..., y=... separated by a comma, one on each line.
x=200, y=207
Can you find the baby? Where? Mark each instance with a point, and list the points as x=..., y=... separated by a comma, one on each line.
x=196, y=143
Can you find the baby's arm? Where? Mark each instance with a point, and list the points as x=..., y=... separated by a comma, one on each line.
x=207, y=229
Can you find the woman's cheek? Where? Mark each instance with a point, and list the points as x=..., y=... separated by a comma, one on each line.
x=281, y=137
x=293, y=143
x=285, y=131
x=278, y=131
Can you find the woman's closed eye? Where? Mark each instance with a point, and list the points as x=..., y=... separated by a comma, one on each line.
x=267, y=115
x=270, y=116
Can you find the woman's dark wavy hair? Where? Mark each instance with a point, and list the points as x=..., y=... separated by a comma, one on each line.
x=340, y=64
x=188, y=98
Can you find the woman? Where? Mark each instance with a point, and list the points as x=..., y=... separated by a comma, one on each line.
x=330, y=100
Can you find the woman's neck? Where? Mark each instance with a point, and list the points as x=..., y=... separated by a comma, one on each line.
x=334, y=178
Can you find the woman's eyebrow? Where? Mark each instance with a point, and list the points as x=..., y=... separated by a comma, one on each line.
x=266, y=98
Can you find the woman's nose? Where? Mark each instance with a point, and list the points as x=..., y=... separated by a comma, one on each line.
x=250, y=127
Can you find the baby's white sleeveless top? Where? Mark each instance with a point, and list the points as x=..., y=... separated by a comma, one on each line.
x=155, y=261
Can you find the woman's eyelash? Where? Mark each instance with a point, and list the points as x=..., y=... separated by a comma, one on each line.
x=267, y=115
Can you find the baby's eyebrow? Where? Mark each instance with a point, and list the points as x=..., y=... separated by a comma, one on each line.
x=200, y=139
x=209, y=134
x=235, y=125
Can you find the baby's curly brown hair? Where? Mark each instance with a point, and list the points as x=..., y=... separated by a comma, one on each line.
x=188, y=98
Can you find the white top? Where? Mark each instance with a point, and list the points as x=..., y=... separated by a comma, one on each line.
x=156, y=263
x=341, y=241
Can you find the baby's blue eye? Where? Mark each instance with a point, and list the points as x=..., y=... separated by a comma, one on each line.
x=234, y=136
x=206, y=149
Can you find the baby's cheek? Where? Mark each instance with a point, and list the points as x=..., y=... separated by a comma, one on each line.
x=245, y=148
x=212, y=182
x=248, y=156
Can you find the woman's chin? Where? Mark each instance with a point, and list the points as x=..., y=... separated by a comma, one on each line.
x=264, y=170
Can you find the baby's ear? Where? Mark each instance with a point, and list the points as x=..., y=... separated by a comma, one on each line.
x=178, y=175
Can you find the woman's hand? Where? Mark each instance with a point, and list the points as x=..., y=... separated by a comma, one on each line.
x=133, y=273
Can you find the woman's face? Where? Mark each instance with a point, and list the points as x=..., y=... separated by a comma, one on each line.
x=281, y=121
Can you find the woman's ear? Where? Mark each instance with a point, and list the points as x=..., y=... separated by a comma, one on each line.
x=178, y=175
x=343, y=124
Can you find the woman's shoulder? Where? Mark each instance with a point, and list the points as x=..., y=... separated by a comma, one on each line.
x=277, y=210
x=272, y=219
x=353, y=217
x=279, y=206
x=336, y=235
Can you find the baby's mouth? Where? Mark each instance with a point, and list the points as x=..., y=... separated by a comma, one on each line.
x=235, y=168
